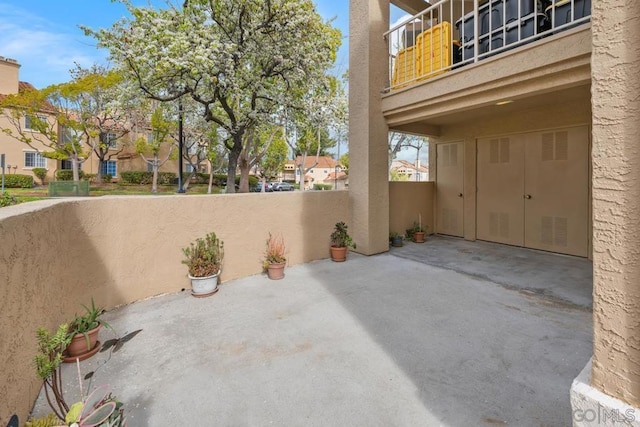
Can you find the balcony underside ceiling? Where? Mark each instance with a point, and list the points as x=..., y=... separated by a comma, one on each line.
x=411, y=6
x=534, y=75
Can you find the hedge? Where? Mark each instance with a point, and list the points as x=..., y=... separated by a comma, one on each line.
x=322, y=186
x=67, y=175
x=18, y=181
x=7, y=200
x=145, y=177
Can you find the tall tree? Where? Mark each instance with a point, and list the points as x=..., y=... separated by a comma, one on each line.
x=241, y=59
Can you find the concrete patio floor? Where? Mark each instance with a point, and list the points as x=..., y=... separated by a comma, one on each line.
x=387, y=340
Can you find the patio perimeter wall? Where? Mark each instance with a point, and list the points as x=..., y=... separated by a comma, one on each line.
x=406, y=201
x=57, y=254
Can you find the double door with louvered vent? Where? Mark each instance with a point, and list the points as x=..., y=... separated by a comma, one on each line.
x=533, y=190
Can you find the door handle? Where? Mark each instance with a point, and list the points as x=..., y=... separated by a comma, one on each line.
x=459, y=194
x=527, y=196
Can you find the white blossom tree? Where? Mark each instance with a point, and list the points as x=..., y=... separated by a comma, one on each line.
x=240, y=59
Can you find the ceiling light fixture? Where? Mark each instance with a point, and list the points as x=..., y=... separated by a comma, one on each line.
x=508, y=101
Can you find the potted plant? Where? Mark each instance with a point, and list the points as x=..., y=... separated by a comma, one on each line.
x=274, y=259
x=340, y=242
x=204, y=260
x=84, y=334
x=396, y=239
x=418, y=231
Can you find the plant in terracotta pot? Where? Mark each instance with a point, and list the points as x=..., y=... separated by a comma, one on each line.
x=274, y=259
x=204, y=260
x=84, y=333
x=341, y=241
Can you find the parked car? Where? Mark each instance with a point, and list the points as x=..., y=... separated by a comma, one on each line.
x=282, y=186
x=267, y=187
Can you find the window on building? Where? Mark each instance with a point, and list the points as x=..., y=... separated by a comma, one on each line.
x=34, y=122
x=33, y=159
x=109, y=139
x=149, y=167
x=66, y=165
x=188, y=167
x=109, y=168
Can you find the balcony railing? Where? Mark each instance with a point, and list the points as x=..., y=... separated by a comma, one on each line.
x=443, y=36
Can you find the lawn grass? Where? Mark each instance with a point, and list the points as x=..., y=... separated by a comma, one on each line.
x=107, y=189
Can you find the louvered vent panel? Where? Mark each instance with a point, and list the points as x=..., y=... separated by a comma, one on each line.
x=446, y=156
x=504, y=225
x=505, y=156
x=454, y=154
x=560, y=231
x=494, y=224
x=562, y=146
x=547, y=147
x=494, y=151
x=546, y=230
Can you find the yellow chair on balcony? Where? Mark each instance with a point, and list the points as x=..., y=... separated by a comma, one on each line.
x=404, y=67
x=433, y=51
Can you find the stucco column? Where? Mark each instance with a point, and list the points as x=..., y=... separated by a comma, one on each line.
x=368, y=76
x=616, y=198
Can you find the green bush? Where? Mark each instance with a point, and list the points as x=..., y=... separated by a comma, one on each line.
x=322, y=186
x=145, y=177
x=107, y=177
x=7, y=199
x=18, y=181
x=91, y=177
x=67, y=175
x=41, y=173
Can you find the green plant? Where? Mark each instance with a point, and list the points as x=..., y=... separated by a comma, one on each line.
x=67, y=175
x=7, y=199
x=322, y=186
x=50, y=420
x=99, y=409
x=393, y=235
x=18, y=181
x=41, y=173
x=90, y=320
x=107, y=177
x=91, y=177
x=417, y=228
x=47, y=360
x=204, y=256
x=275, y=251
x=340, y=237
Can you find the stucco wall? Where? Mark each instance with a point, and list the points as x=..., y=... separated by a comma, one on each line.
x=406, y=201
x=57, y=254
x=616, y=198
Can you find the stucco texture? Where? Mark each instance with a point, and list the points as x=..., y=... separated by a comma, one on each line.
x=408, y=200
x=616, y=198
x=58, y=254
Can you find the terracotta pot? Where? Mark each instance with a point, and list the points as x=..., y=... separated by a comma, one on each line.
x=276, y=271
x=79, y=347
x=418, y=237
x=338, y=254
x=204, y=286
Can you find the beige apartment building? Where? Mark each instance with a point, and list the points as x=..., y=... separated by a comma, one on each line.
x=531, y=109
x=22, y=159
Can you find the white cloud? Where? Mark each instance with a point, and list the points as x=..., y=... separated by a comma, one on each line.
x=46, y=53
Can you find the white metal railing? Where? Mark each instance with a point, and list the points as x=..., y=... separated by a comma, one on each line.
x=443, y=36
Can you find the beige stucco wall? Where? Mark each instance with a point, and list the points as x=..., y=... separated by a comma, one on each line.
x=616, y=198
x=57, y=254
x=9, y=71
x=407, y=200
x=368, y=145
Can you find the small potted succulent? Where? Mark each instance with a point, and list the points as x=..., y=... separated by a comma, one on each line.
x=341, y=241
x=83, y=331
x=204, y=260
x=274, y=259
x=396, y=239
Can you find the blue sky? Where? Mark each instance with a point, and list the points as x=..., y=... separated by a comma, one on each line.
x=45, y=38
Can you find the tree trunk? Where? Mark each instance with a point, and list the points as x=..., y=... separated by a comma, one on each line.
x=154, y=184
x=210, y=187
x=234, y=155
x=75, y=167
x=245, y=168
x=99, y=172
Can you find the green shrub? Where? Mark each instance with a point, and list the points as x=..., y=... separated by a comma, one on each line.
x=41, y=173
x=91, y=177
x=7, y=199
x=18, y=181
x=67, y=175
x=145, y=177
x=107, y=177
x=322, y=186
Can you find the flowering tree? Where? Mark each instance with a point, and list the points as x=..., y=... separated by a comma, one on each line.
x=240, y=59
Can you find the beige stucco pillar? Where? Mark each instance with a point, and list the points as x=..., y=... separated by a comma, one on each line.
x=616, y=198
x=368, y=76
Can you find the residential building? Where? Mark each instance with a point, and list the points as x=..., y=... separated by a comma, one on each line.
x=317, y=169
x=533, y=140
x=407, y=171
x=337, y=180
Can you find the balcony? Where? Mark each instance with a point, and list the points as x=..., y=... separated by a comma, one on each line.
x=526, y=49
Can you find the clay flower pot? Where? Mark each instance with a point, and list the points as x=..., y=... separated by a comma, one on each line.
x=83, y=346
x=338, y=254
x=418, y=236
x=276, y=271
